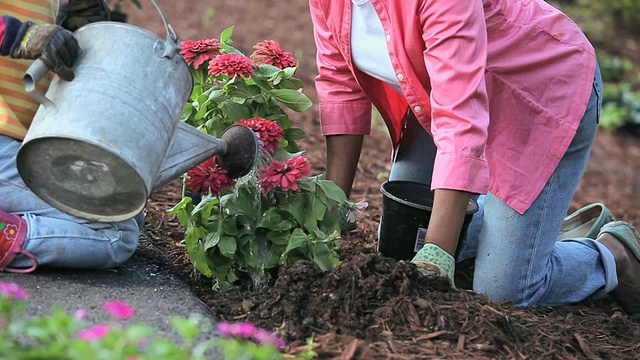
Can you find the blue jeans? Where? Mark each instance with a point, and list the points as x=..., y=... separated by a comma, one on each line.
x=517, y=257
x=57, y=238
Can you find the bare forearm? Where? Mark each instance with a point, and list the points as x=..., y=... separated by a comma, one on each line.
x=447, y=216
x=343, y=153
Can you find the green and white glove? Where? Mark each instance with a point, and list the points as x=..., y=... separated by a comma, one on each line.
x=433, y=261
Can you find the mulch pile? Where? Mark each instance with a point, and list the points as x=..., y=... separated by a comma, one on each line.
x=374, y=307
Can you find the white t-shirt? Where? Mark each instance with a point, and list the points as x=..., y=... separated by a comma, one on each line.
x=368, y=44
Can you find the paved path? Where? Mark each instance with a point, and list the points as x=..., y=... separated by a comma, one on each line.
x=147, y=281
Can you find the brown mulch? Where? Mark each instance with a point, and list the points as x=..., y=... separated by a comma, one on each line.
x=372, y=307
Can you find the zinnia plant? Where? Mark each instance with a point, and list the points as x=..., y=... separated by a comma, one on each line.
x=277, y=214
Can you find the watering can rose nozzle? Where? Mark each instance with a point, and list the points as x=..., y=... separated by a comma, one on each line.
x=242, y=150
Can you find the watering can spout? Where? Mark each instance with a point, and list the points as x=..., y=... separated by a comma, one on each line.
x=235, y=151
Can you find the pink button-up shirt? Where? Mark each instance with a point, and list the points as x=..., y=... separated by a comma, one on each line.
x=501, y=85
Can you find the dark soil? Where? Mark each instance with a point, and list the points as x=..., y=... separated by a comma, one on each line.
x=373, y=307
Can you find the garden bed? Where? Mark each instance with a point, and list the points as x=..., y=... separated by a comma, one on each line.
x=372, y=307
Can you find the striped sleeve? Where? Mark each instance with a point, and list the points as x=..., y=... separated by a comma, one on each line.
x=17, y=108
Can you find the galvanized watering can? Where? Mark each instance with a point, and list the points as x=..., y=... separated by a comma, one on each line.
x=101, y=143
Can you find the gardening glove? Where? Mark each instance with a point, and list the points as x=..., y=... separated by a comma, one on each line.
x=433, y=261
x=55, y=46
x=83, y=12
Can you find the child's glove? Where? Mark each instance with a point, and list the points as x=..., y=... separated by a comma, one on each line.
x=54, y=45
x=83, y=12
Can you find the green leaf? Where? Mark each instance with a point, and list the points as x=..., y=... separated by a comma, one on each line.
x=273, y=219
x=293, y=134
x=243, y=201
x=291, y=83
x=183, y=211
x=278, y=237
x=235, y=111
x=217, y=95
x=227, y=246
x=211, y=240
x=268, y=71
x=195, y=250
x=293, y=99
x=296, y=207
x=310, y=219
x=226, y=34
x=332, y=190
x=297, y=240
x=323, y=256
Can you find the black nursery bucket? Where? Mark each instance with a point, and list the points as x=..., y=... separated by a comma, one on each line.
x=406, y=210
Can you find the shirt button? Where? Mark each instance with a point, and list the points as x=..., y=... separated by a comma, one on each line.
x=388, y=37
x=417, y=109
x=400, y=77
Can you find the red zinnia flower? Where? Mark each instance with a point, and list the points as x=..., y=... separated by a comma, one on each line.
x=209, y=176
x=269, y=52
x=231, y=64
x=267, y=131
x=197, y=52
x=284, y=174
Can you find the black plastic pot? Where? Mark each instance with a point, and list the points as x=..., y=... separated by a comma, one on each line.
x=406, y=211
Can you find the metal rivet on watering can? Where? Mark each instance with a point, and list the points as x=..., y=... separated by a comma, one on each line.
x=98, y=145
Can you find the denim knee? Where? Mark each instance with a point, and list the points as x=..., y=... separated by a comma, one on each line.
x=123, y=242
x=496, y=286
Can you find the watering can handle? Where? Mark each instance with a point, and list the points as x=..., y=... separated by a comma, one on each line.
x=171, y=34
x=32, y=77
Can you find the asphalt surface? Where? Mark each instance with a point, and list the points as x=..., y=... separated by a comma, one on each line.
x=147, y=281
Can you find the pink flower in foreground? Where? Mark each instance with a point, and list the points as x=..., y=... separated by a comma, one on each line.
x=118, y=309
x=240, y=329
x=269, y=52
x=231, y=64
x=267, y=131
x=284, y=174
x=209, y=177
x=197, y=52
x=263, y=336
x=249, y=331
x=356, y=210
x=95, y=333
x=80, y=314
x=12, y=289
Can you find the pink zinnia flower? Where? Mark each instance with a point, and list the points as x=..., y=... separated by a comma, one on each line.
x=118, y=309
x=284, y=174
x=12, y=289
x=263, y=336
x=267, y=131
x=240, y=329
x=231, y=64
x=209, y=177
x=80, y=314
x=197, y=52
x=95, y=333
x=269, y=52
